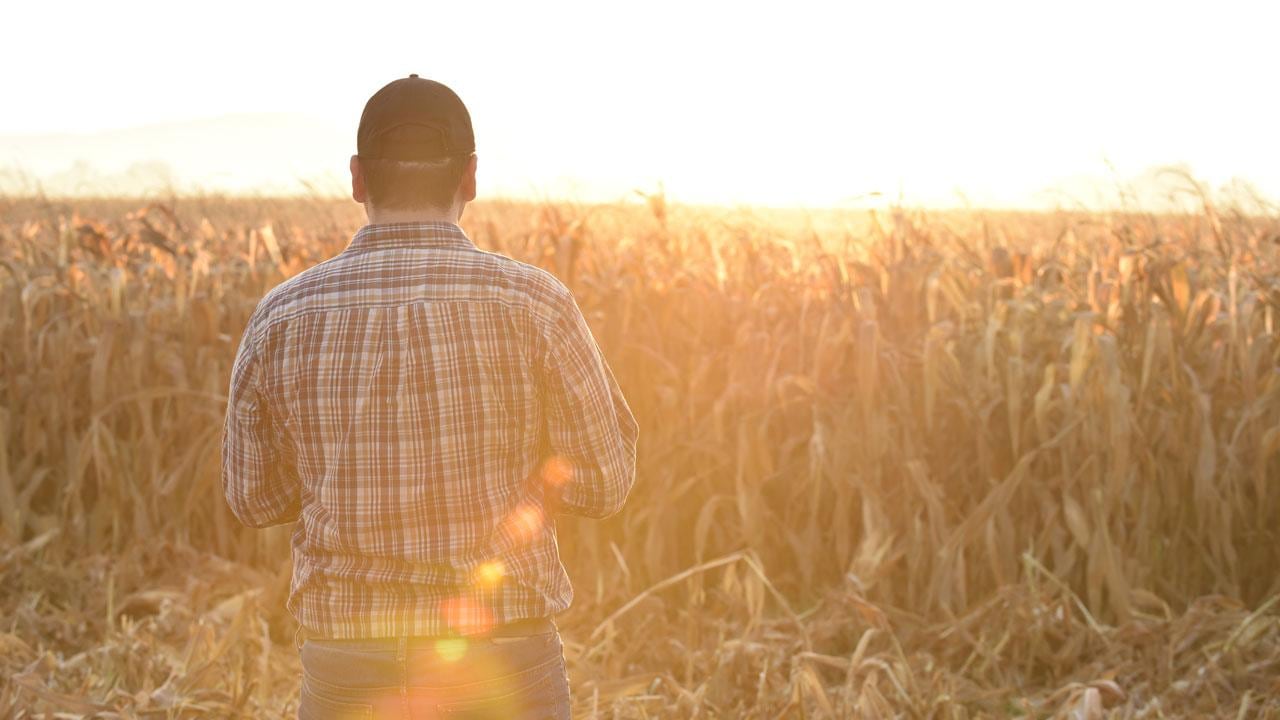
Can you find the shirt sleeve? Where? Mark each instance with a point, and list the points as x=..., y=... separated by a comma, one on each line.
x=590, y=428
x=258, y=478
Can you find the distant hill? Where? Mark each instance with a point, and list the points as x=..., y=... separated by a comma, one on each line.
x=294, y=153
x=266, y=152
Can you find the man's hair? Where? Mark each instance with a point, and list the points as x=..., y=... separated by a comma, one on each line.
x=411, y=184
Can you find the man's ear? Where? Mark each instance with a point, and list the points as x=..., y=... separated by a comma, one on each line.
x=359, y=192
x=467, y=187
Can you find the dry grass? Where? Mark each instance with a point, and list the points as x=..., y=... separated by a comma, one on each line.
x=954, y=465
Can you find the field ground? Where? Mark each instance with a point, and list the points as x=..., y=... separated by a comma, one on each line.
x=899, y=464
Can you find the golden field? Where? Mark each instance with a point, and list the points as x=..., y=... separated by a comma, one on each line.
x=892, y=463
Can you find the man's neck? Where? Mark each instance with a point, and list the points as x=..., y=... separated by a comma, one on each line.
x=380, y=216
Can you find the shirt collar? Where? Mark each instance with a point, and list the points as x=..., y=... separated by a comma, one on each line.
x=432, y=234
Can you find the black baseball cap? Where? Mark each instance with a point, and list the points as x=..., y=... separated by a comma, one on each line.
x=415, y=119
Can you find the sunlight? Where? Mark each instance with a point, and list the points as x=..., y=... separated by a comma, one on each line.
x=615, y=360
x=853, y=99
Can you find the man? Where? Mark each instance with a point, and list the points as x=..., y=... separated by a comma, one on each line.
x=421, y=409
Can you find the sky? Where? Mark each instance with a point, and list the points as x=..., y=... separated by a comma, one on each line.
x=1013, y=104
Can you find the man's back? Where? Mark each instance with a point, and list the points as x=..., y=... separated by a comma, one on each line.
x=423, y=408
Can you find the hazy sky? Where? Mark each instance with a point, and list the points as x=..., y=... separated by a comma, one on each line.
x=781, y=103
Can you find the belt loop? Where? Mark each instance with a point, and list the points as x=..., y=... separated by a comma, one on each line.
x=402, y=652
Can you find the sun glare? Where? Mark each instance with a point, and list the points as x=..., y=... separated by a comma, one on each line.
x=987, y=103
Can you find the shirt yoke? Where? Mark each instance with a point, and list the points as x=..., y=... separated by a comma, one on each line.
x=368, y=278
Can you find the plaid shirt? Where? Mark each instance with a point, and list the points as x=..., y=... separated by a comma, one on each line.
x=422, y=409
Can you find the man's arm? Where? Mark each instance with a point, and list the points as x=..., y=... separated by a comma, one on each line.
x=258, y=480
x=591, y=430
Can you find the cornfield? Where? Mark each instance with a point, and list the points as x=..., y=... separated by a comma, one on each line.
x=892, y=463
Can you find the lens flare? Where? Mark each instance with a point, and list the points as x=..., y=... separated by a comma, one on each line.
x=490, y=573
x=466, y=617
x=525, y=522
x=451, y=649
x=557, y=471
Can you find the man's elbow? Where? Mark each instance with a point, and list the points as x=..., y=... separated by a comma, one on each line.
x=613, y=493
x=249, y=517
x=259, y=516
x=261, y=522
